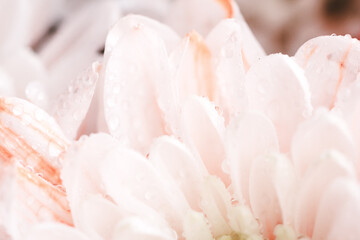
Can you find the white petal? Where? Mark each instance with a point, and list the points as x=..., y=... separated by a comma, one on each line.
x=72, y=106
x=268, y=192
x=133, y=66
x=7, y=85
x=247, y=137
x=314, y=184
x=330, y=64
x=172, y=159
x=32, y=137
x=196, y=227
x=203, y=130
x=138, y=229
x=55, y=231
x=324, y=131
x=337, y=212
x=128, y=171
x=277, y=87
x=215, y=203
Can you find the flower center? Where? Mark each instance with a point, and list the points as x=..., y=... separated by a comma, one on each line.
x=234, y=236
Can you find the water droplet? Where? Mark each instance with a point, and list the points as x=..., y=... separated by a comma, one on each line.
x=17, y=110
x=53, y=149
x=333, y=35
x=110, y=102
x=113, y=123
x=39, y=115
x=225, y=167
x=348, y=36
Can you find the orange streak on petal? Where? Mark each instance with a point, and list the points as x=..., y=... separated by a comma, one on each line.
x=203, y=66
x=228, y=7
x=308, y=55
x=341, y=75
x=245, y=61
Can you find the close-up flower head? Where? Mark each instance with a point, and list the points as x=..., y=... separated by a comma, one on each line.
x=179, y=120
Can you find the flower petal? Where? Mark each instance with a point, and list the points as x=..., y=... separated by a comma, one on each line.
x=172, y=159
x=128, y=171
x=72, y=106
x=55, y=231
x=277, y=87
x=138, y=229
x=247, y=137
x=321, y=175
x=324, y=131
x=32, y=137
x=337, y=210
x=133, y=66
x=330, y=64
x=203, y=130
x=196, y=227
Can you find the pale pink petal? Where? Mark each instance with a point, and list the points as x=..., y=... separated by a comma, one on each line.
x=216, y=203
x=338, y=212
x=121, y=28
x=25, y=67
x=324, y=131
x=330, y=64
x=230, y=31
x=72, y=106
x=133, y=66
x=241, y=220
x=191, y=74
x=54, y=231
x=196, y=227
x=156, y=9
x=203, y=130
x=188, y=15
x=98, y=217
x=173, y=160
x=77, y=43
x=348, y=105
x=7, y=186
x=36, y=200
x=128, y=171
x=138, y=229
x=80, y=174
x=32, y=137
x=268, y=192
x=332, y=166
x=277, y=87
x=247, y=137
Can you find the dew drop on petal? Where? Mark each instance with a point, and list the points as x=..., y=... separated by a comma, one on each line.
x=113, y=123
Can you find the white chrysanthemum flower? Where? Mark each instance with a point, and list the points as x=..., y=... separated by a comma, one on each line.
x=169, y=138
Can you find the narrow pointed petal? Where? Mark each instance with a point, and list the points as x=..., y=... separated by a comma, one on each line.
x=277, y=87
x=137, y=61
x=247, y=137
x=316, y=181
x=324, y=131
x=80, y=174
x=128, y=171
x=173, y=160
x=203, y=130
x=138, y=229
x=187, y=15
x=330, y=64
x=32, y=137
x=196, y=227
x=55, y=231
x=72, y=106
x=268, y=192
x=337, y=210
x=216, y=203
x=70, y=50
